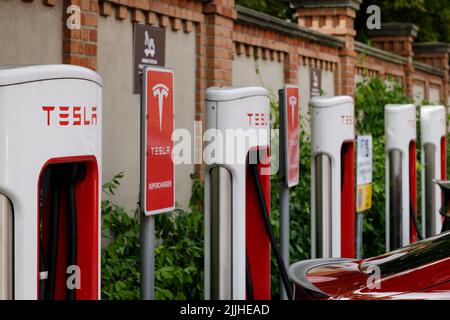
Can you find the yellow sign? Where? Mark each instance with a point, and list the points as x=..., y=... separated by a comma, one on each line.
x=364, y=197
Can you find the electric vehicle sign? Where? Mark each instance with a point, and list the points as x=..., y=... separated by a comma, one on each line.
x=291, y=113
x=158, y=125
x=364, y=174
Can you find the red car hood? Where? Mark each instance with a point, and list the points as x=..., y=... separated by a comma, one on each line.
x=418, y=271
x=344, y=280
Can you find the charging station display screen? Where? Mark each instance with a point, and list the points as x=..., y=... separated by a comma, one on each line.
x=158, y=122
x=291, y=113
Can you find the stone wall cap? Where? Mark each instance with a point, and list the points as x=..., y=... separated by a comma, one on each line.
x=380, y=53
x=395, y=29
x=265, y=21
x=428, y=68
x=298, y=4
x=432, y=47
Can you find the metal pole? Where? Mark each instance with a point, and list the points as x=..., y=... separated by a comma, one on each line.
x=147, y=257
x=284, y=230
x=284, y=191
x=359, y=234
x=147, y=225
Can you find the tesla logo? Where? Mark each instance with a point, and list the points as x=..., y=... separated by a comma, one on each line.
x=257, y=119
x=150, y=43
x=293, y=103
x=70, y=116
x=347, y=120
x=160, y=91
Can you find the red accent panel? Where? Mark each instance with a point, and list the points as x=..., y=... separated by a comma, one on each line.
x=348, y=200
x=87, y=200
x=413, y=187
x=257, y=240
x=443, y=166
x=443, y=158
x=291, y=124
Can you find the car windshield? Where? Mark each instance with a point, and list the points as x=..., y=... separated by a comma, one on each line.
x=413, y=256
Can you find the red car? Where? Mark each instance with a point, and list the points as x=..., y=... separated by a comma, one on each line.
x=418, y=271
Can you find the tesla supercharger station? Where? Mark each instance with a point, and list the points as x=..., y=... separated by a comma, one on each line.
x=433, y=159
x=333, y=177
x=236, y=244
x=401, y=189
x=50, y=182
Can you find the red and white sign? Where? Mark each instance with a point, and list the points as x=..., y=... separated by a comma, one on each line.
x=159, y=175
x=291, y=131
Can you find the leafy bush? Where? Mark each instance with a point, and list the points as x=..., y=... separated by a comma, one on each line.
x=121, y=256
x=178, y=256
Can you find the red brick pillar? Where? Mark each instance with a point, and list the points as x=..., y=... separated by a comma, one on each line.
x=436, y=54
x=291, y=66
x=80, y=45
x=219, y=22
x=398, y=38
x=334, y=17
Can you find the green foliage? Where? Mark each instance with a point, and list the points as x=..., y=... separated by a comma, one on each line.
x=370, y=98
x=178, y=256
x=276, y=8
x=431, y=16
x=120, y=258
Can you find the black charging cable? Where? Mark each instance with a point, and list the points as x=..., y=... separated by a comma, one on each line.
x=268, y=226
x=445, y=208
x=53, y=241
x=75, y=172
x=445, y=224
x=43, y=268
x=413, y=217
x=63, y=178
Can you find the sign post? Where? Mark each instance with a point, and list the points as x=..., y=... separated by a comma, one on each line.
x=157, y=190
x=364, y=186
x=289, y=163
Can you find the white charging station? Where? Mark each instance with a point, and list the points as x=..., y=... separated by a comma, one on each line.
x=50, y=182
x=332, y=177
x=433, y=159
x=400, y=146
x=234, y=234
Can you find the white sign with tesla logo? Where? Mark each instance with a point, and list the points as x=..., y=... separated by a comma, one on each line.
x=157, y=117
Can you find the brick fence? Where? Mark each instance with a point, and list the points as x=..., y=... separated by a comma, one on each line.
x=323, y=38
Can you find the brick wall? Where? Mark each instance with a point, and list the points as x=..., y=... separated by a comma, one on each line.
x=80, y=45
x=324, y=38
